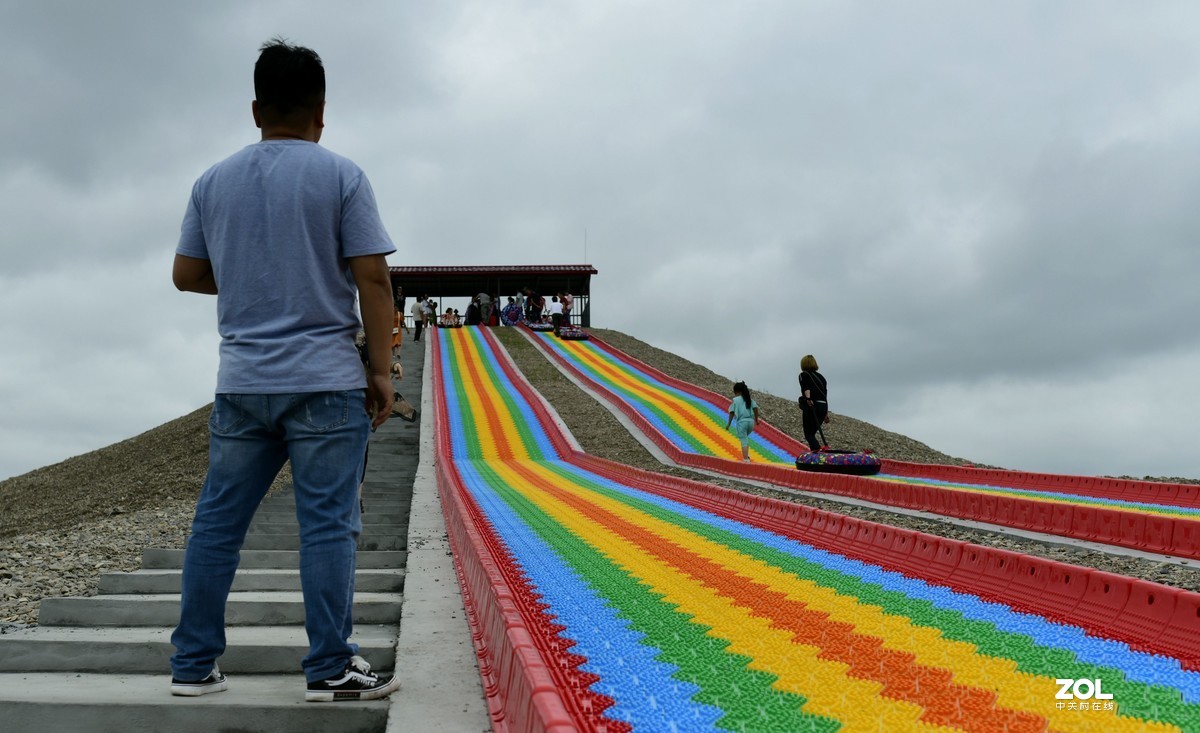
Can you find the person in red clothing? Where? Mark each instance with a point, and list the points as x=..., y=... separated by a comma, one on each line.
x=534, y=305
x=568, y=302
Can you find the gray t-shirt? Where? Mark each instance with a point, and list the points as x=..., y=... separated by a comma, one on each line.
x=278, y=220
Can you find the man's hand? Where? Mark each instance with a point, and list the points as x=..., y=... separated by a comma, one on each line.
x=370, y=274
x=380, y=397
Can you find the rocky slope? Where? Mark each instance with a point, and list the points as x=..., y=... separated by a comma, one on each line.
x=63, y=525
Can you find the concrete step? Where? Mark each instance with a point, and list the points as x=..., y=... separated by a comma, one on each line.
x=168, y=581
x=104, y=703
x=381, y=512
x=397, y=541
x=242, y=609
x=380, y=522
x=372, y=516
x=374, y=511
x=283, y=559
x=390, y=506
x=389, y=497
x=142, y=650
x=394, y=476
x=291, y=528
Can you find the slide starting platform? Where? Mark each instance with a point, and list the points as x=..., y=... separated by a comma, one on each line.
x=606, y=598
x=687, y=423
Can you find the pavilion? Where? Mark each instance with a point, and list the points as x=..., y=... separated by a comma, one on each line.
x=465, y=281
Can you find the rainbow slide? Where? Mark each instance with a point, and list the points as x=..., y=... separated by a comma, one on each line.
x=606, y=598
x=687, y=423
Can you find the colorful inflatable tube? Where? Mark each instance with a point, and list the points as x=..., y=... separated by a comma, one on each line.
x=853, y=463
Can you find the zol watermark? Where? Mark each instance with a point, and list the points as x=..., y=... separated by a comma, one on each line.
x=1081, y=689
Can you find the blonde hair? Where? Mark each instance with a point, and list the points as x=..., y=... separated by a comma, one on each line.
x=808, y=364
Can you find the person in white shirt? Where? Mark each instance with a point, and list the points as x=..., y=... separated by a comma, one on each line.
x=556, y=313
x=418, y=314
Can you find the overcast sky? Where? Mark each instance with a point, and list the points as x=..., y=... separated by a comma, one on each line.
x=980, y=217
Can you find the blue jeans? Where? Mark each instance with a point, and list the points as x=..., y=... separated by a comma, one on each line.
x=744, y=428
x=250, y=436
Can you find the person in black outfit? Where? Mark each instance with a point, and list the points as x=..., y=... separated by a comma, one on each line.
x=534, y=304
x=814, y=400
x=473, y=312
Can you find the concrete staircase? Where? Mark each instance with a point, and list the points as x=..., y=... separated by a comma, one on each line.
x=100, y=663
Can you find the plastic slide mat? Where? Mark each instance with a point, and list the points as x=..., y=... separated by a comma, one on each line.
x=602, y=597
x=688, y=424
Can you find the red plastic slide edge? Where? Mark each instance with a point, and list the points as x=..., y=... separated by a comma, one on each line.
x=1150, y=492
x=1168, y=535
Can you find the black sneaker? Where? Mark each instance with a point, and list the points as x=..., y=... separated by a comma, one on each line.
x=356, y=682
x=214, y=682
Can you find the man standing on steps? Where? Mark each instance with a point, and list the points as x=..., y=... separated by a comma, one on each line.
x=418, y=314
x=283, y=232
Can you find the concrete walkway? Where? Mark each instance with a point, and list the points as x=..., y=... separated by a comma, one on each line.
x=100, y=663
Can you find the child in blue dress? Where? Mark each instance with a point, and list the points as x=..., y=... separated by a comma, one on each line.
x=744, y=411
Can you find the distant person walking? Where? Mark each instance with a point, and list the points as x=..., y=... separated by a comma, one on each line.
x=485, y=308
x=397, y=331
x=400, y=300
x=283, y=232
x=418, y=314
x=534, y=305
x=494, y=316
x=814, y=400
x=568, y=303
x=473, y=312
x=430, y=312
x=743, y=415
x=556, y=313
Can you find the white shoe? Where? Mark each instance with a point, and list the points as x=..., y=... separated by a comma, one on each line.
x=356, y=682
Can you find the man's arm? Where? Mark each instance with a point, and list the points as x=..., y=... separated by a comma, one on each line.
x=193, y=275
x=375, y=302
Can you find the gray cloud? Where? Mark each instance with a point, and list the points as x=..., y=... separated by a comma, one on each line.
x=976, y=216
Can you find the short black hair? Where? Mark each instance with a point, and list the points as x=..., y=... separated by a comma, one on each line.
x=288, y=79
